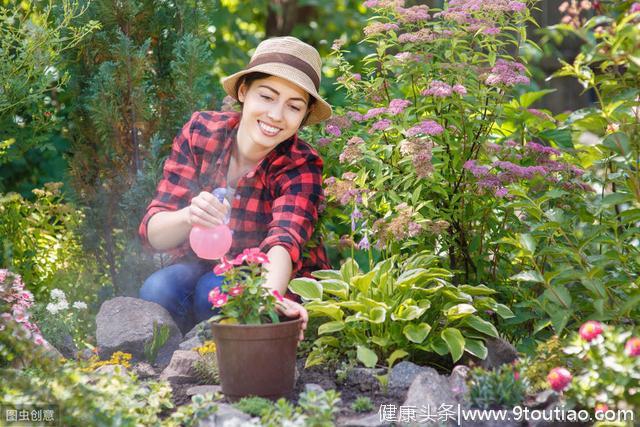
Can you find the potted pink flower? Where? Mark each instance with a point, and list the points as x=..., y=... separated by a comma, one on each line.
x=256, y=350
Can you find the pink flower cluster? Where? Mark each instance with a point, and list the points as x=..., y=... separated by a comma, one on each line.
x=507, y=73
x=635, y=8
x=379, y=28
x=559, y=378
x=421, y=36
x=352, y=150
x=397, y=106
x=344, y=190
x=421, y=152
x=427, y=127
x=439, y=89
x=590, y=330
x=382, y=125
x=20, y=300
x=250, y=255
x=413, y=14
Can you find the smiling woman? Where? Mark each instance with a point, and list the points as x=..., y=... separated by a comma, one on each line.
x=273, y=183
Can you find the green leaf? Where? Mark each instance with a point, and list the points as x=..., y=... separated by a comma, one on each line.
x=504, y=311
x=409, y=277
x=362, y=282
x=327, y=274
x=559, y=295
x=459, y=311
x=330, y=327
x=307, y=288
x=618, y=142
x=335, y=287
x=455, y=342
x=528, y=276
x=416, y=333
x=481, y=325
x=409, y=311
x=476, y=347
x=380, y=341
x=559, y=319
x=377, y=315
x=366, y=356
x=527, y=242
x=478, y=290
x=324, y=308
x=349, y=269
x=315, y=357
x=398, y=354
x=528, y=98
x=595, y=286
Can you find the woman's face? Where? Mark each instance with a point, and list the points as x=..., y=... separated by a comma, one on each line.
x=273, y=109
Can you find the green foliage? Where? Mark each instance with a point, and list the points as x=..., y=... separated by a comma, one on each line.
x=201, y=407
x=206, y=369
x=254, y=405
x=604, y=370
x=316, y=409
x=548, y=355
x=362, y=404
x=159, y=338
x=39, y=241
x=498, y=388
x=397, y=310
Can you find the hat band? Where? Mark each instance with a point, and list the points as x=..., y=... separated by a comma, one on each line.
x=288, y=59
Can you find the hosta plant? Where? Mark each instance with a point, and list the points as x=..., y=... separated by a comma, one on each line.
x=399, y=309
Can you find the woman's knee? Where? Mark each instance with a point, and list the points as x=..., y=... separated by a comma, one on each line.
x=158, y=288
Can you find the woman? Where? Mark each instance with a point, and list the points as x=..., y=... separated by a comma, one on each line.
x=273, y=181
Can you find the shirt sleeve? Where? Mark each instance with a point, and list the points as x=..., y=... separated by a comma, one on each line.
x=179, y=182
x=298, y=187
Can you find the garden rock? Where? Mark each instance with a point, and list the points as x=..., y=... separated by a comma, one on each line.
x=313, y=387
x=144, y=370
x=112, y=370
x=180, y=369
x=430, y=390
x=203, y=389
x=126, y=324
x=458, y=381
x=364, y=378
x=499, y=352
x=190, y=344
x=225, y=415
x=403, y=374
x=68, y=348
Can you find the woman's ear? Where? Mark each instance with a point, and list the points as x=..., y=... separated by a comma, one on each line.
x=242, y=92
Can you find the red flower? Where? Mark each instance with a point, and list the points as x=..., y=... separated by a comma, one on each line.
x=601, y=407
x=252, y=256
x=632, y=347
x=213, y=294
x=277, y=295
x=219, y=300
x=559, y=378
x=224, y=266
x=590, y=330
x=236, y=291
x=516, y=375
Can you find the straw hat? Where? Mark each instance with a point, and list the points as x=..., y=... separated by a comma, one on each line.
x=292, y=60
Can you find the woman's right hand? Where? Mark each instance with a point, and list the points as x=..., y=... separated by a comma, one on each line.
x=206, y=210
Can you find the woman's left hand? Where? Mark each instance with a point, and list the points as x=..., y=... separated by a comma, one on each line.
x=292, y=309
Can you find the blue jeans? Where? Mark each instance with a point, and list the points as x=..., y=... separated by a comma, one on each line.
x=183, y=290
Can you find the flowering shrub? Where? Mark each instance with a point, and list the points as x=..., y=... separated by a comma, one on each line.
x=434, y=92
x=243, y=298
x=396, y=310
x=16, y=327
x=503, y=387
x=603, y=369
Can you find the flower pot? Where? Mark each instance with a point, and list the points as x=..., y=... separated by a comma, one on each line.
x=257, y=360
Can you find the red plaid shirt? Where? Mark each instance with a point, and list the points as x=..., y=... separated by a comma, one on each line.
x=276, y=204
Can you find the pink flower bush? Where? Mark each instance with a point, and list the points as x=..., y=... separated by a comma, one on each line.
x=559, y=378
x=590, y=330
x=15, y=302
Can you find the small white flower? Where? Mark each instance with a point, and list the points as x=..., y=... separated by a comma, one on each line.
x=58, y=294
x=52, y=308
x=63, y=305
x=79, y=305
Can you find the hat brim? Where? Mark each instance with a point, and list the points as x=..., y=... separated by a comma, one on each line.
x=321, y=110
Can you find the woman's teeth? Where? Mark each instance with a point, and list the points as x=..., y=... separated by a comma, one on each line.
x=269, y=130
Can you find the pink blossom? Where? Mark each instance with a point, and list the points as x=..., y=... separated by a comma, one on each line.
x=323, y=142
x=356, y=76
x=428, y=127
x=219, y=300
x=379, y=27
x=236, y=291
x=370, y=3
x=438, y=89
x=501, y=192
x=507, y=73
x=213, y=294
x=252, y=256
x=383, y=124
x=423, y=35
x=224, y=266
x=397, y=106
x=355, y=116
x=374, y=112
x=516, y=6
x=38, y=340
x=277, y=295
x=459, y=89
x=333, y=130
x=476, y=170
x=491, y=31
x=413, y=14
x=542, y=149
x=559, y=378
x=632, y=347
x=635, y=8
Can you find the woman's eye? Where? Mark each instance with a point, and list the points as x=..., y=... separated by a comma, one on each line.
x=294, y=108
x=268, y=98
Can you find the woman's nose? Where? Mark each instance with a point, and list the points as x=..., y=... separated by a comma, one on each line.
x=275, y=113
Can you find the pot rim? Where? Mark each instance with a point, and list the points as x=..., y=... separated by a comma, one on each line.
x=290, y=321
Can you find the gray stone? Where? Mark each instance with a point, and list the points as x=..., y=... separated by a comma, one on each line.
x=225, y=415
x=364, y=378
x=180, y=369
x=458, y=381
x=372, y=420
x=190, y=344
x=112, y=370
x=313, y=387
x=429, y=391
x=126, y=324
x=203, y=389
x=68, y=348
x=499, y=352
x=403, y=374
x=144, y=370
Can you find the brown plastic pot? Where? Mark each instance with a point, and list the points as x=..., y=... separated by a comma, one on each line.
x=257, y=360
